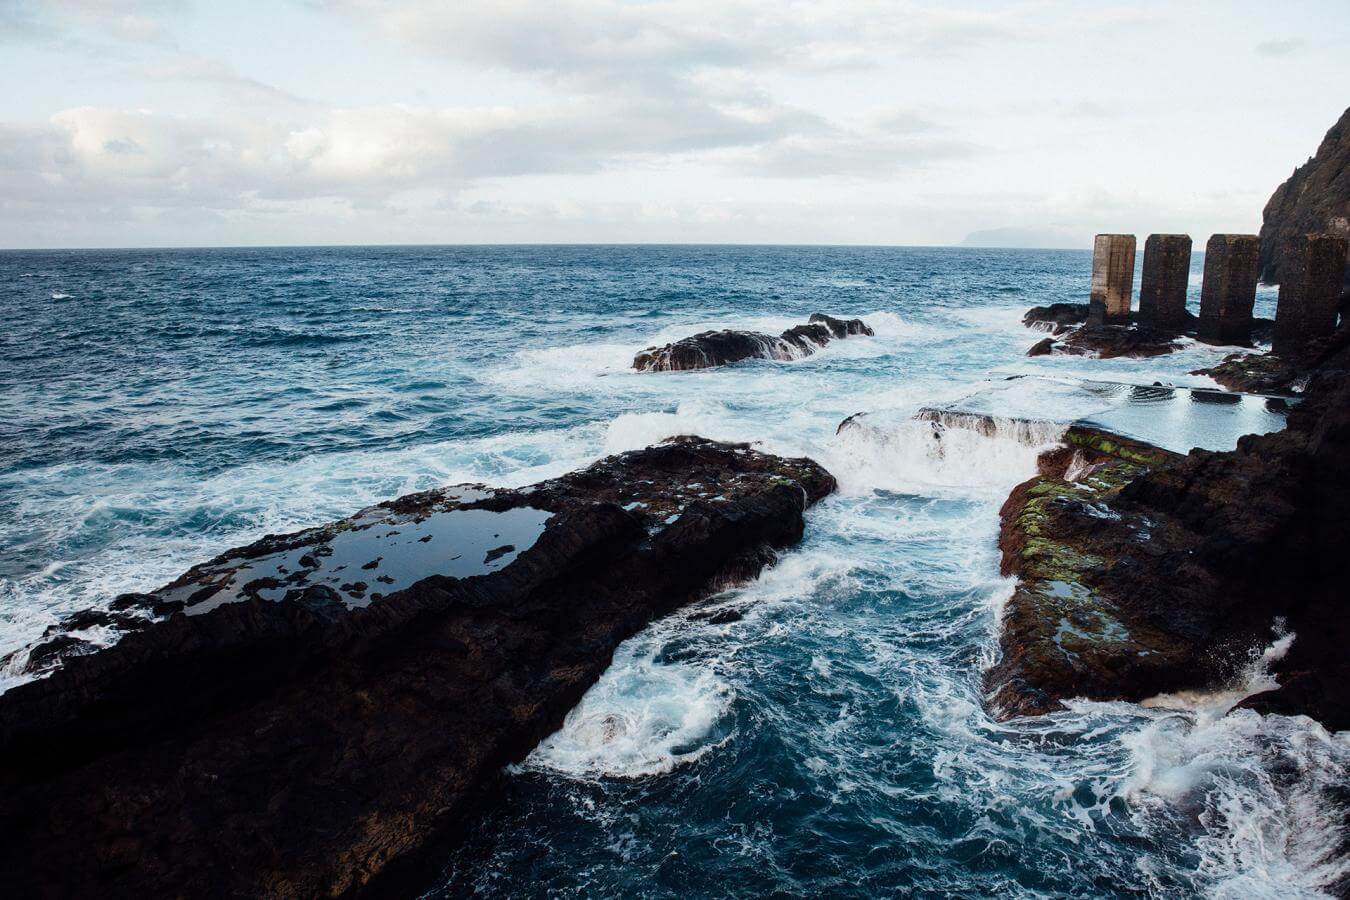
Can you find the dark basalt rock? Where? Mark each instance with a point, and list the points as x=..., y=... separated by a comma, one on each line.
x=1257, y=373
x=718, y=348
x=1149, y=573
x=1071, y=336
x=1316, y=198
x=1268, y=373
x=1043, y=347
x=1108, y=342
x=1056, y=318
x=272, y=730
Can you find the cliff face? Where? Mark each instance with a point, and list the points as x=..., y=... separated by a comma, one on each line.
x=1316, y=198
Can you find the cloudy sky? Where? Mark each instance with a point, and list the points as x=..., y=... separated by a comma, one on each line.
x=173, y=122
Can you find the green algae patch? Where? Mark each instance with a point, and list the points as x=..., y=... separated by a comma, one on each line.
x=1104, y=442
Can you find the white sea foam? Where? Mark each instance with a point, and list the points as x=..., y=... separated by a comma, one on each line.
x=1257, y=788
x=643, y=717
x=707, y=418
x=896, y=452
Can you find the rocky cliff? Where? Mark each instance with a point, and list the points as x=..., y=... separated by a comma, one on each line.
x=1316, y=198
x=314, y=714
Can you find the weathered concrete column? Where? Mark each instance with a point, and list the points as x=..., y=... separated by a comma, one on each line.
x=1229, y=290
x=1312, y=267
x=1162, y=288
x=1112, y=279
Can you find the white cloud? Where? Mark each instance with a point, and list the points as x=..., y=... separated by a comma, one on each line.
x=883, y=120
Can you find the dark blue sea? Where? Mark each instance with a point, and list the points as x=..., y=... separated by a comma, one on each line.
x=158, y=407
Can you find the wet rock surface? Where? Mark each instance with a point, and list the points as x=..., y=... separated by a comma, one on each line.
x=1315, y=199
x=289, y=720
x=1055, y=318
x=1071, y=335
x=1270, y=373
x=718, y=348
x=1141, y=572
x=1110, y=341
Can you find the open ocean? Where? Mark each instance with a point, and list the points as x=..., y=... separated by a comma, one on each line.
x=158, y=407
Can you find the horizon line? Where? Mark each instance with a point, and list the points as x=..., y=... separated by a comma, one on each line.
x=339, y=246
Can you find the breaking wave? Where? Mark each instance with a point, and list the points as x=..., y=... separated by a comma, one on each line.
x=940, y=449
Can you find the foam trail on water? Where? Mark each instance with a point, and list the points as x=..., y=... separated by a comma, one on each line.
x=643, y=717
x=1265, y=792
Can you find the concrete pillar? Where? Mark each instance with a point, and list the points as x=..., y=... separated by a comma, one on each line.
x=1312, y=267
x=1112, y=279
x=1162, y=289
x=1229, y=289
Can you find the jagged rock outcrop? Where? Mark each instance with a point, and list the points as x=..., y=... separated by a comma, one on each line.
x=1140, y=573
x=1072, y=336
x=1109, y=342
x=718, y=348
x=314, y=714
x=1055, y=318
x=1267, y=373
x=1316, y=198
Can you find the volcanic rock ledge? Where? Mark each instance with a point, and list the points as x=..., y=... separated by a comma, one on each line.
x=318, y=713
x=718, y=348
x=1141, y=572
x=1071, y=335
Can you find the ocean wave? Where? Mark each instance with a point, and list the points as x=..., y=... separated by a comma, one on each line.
x=898, y=452
x=643, y=717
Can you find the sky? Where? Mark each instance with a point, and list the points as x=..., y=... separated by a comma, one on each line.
x=181, y=123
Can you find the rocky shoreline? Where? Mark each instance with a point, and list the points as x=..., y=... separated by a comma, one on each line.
x=1141, y=572
x=269, y=729
x=321, y=713
x=1072, y=335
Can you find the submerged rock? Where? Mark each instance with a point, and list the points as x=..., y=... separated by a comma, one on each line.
x=718, y=348
x=1141, y=572
x=316, y=713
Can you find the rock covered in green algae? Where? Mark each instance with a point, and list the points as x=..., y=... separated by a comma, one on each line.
x=1142, y=573
x=1062, y=635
